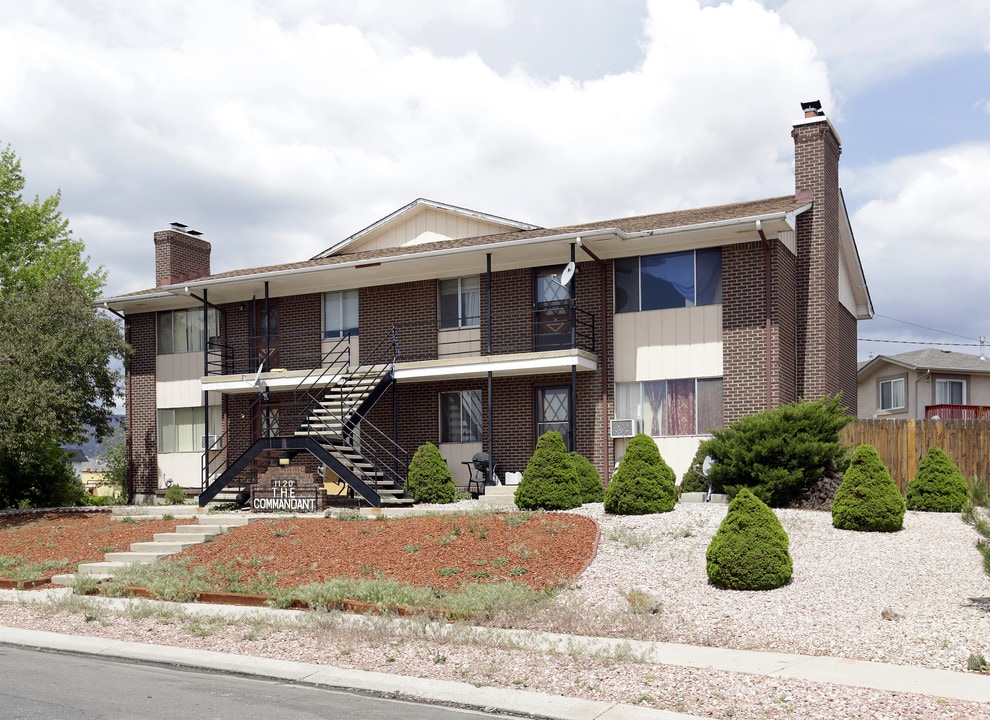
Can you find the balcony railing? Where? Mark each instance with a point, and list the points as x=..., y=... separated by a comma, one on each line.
x=559, y=326
x=957, y=412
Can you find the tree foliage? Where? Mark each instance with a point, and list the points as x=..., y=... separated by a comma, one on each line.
x=868, y=498
x=549, y=481
x=430, y=480
x=643, y=484
x=589, y=480
x=750, y=550
x=55, y=348
x=939, y=485
x=779, y=452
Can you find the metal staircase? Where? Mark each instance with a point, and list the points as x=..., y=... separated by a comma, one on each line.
x=333, y=428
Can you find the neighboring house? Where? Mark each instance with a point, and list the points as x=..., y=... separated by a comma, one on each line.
x=925, y=384
x=478, y=333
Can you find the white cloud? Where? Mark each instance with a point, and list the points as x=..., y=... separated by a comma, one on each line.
x=866, y=41
x=921, y=241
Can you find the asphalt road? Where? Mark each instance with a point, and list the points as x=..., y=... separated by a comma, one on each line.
x=52, y=686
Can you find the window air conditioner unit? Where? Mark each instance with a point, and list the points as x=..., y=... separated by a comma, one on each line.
x=623, y=428
x=208, y=441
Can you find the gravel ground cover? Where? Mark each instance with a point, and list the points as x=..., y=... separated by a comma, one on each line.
x=917, y=597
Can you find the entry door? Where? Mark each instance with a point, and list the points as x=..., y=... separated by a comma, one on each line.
x=266, y=334
x=553, y=412
x=553, y=311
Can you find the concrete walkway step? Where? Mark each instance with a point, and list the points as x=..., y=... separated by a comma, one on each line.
x=98, y=568
x=186, y=539
x=132, y=558
x=164, y=548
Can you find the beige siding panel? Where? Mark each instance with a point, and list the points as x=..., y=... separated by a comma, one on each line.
x=355, y=348
x=177, y=382
x=660, y=344
x=678, y=452
x=183, y=468
x=428, y=225
x=459, y=343
x=456, y=454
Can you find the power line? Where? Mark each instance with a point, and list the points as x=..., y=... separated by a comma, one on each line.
x=918, y=342
x=923, y=327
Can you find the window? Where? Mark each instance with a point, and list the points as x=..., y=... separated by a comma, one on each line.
x=460, y=416
x=340, y=313
x=460, y=303
x=892, y=394
x=950, y=392
x=182, y=429
x=553, y=412
x=668, y=280
x=689, y=406
x=181, y=331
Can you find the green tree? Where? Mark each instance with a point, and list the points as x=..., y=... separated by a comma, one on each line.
x=777, y=453
x=643, y=483
x=868, y=498
x=750, y=550
x=939, y=485
x=55, y=348
x=430, y=480
x=589, y=480
x=549, y=481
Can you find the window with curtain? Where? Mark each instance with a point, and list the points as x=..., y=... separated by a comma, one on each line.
x=182, y=429
x=950, y=392
x=690, y=406
x=181, y=331
x=340, y=313
x=460, y=416
x=460, y=302
x=668, y=280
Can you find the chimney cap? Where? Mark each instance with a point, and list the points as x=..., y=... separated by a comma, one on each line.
x=178, y=226
x=197, y=233
x=812, y=108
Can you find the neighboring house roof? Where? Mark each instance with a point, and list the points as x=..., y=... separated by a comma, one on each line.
x=931, y=359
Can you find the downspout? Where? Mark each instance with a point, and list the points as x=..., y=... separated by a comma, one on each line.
x=572, y=420
x=605, y=348
x=491, y=398
x=128, y=432
x=767, y=269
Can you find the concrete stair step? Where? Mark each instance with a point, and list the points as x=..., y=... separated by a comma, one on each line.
x=187, y=538
x=107, y=568
x=134, y=558
x=167, y=548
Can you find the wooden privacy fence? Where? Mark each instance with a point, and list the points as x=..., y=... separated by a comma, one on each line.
x=902, y=444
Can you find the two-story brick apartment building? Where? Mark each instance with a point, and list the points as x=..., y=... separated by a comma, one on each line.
x=478, y=333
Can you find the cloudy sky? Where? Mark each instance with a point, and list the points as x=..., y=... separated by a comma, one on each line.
x=278, y=127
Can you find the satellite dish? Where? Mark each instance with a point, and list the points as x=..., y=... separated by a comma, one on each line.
x=568, y=274
x=707, y=465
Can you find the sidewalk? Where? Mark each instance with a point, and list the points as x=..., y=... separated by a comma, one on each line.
x=840, y=671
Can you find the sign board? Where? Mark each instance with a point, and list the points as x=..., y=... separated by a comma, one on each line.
x=284, y=494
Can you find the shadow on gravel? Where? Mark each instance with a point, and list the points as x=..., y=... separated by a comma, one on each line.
x=980, y=603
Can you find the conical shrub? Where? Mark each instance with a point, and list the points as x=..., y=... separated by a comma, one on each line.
x=549, y=481
x=589, y=480
x=430, y=480
x=868, y=498
x=939, y=486
x=750, y=550
x=643, y=483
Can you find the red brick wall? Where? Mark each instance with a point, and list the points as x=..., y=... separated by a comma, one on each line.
x=822, y=365
x=410, y=306
x=142, y=417
x=180, y=257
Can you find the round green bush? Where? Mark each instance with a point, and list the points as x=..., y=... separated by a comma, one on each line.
x=175, y=495
x=868, y=498
x=589, y=480
x=643, y=483
x=750, y=550
x=939, y=486
x=430, y=480
x=549, y=481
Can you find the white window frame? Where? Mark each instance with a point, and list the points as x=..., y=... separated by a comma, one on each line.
x=891, y=382
x=631, y=401
x=461, y=435
x=347, y=313
x=192, y=330
x=464, y=285
x=943, y=382
x=181, y=430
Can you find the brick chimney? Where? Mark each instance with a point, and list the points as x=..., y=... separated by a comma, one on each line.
x=180, y=255
x=826, y=331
